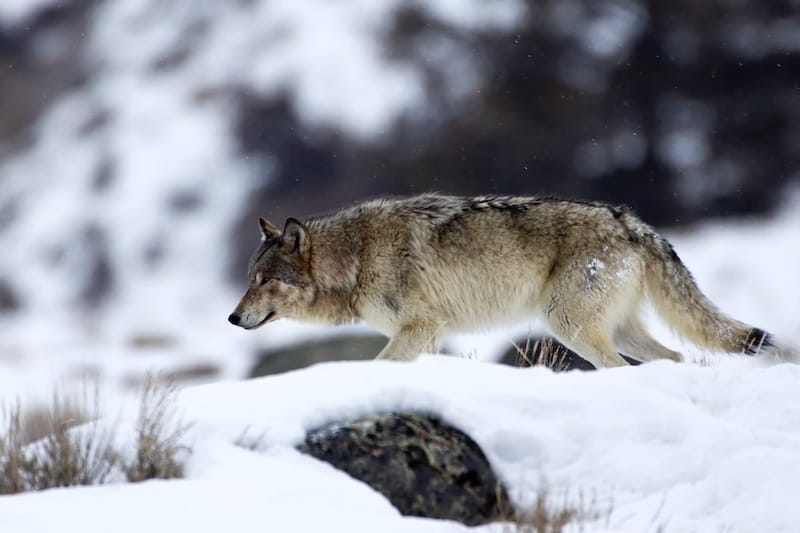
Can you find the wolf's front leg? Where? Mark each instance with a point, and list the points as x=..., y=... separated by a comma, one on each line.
x=412, y=340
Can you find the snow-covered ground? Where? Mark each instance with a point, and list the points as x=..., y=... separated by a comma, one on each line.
x=680, y=447
x=139, y=168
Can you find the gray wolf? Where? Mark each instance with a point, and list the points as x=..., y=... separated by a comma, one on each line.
x=421, y=267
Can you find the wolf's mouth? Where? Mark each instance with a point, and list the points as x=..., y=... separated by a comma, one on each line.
x=266, y=319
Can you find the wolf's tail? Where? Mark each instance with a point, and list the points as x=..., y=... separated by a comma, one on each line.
x=679, y=301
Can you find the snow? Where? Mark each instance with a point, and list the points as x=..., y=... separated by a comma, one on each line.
x=614, y=28
x=696, y=448
x=327, y=56
x=254, y=493
x=688, y=447
x=17, y=12
x=592, y=268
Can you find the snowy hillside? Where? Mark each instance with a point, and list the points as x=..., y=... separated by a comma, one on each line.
x=134, y=179
x=661, y=447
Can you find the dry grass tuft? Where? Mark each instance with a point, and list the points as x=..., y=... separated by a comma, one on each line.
x=66, y=412
x=44, y=448
x=158, y=436
x=544, y=517
x=64, y=445
x=545, y=352
x=251, y=442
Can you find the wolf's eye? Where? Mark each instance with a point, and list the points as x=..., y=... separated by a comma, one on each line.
x=264, y=281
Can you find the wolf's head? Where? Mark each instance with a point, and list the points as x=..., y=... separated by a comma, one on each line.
x=279, y=279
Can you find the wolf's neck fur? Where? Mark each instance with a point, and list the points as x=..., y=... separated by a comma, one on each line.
x=335, y=263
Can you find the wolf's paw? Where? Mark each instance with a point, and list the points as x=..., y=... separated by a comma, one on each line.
x=677, y=357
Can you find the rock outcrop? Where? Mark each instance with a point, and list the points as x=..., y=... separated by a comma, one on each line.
x=335, y=348
x=424, y=466
x=546, y=351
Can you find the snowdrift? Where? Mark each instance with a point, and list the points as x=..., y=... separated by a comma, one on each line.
x=679, y=446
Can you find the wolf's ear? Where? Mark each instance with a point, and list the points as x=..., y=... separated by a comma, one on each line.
x=267, y=229
x=295, y=237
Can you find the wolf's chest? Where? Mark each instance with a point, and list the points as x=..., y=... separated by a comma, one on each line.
x=381, y=314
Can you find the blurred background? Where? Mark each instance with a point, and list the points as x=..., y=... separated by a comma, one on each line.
x=140, y=139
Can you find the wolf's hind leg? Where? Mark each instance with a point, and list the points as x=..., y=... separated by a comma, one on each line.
x=588, y=340
x=632, y=339
x=412, y=340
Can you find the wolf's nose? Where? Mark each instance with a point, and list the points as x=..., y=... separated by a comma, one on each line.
x=234, y=319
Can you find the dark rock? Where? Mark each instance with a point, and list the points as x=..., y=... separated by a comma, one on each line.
x=8, y=212
x=186, y=201
x=546, y=351
x=9, y=301
x=35, y=74
x=152, y=341
x=197, y=372
x=422, y=465
x=154, y=252
x=94, y=122
x=99, y=279
x=103, y=175
x=342, y=348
